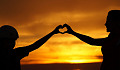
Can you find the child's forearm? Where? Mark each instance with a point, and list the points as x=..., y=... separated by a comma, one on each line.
x=41, y=41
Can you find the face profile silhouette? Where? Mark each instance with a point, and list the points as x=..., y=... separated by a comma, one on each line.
x=113, y=21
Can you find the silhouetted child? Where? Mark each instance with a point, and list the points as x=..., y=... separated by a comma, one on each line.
x=110, y=45
x=9, y=57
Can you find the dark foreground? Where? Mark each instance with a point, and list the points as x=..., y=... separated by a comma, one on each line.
x=84, y=66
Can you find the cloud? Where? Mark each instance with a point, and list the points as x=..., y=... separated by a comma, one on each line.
x=99, y=57
x=66, y=43
x=45, y=15
x=22, y=12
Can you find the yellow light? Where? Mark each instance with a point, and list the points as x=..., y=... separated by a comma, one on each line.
x=77, y=61
x=85, y=61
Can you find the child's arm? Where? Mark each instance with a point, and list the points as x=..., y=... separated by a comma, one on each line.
x=87, y=39
x=41, y=41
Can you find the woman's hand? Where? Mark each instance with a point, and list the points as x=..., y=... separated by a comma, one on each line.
x=69, y=29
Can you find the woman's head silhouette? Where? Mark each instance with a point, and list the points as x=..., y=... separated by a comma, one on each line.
x=113, y=21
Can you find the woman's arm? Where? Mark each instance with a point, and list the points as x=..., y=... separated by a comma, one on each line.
x=87, y=39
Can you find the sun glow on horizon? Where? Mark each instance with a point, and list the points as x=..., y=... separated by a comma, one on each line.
x=63, y=51
x=85, y=61
x=66, y=61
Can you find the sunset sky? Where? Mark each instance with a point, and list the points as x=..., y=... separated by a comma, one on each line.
x=34, y=19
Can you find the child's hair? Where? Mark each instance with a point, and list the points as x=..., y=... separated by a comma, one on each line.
x=8, y=32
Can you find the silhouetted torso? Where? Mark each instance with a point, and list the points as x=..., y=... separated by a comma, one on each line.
x=111, y=54
x=10, y=60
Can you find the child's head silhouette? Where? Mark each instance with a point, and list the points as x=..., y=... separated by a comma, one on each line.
x=8, y=35
x=113, y=21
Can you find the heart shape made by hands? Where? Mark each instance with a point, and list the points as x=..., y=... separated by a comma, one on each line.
x=63, y=29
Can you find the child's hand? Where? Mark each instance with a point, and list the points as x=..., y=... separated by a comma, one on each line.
x=57, y=29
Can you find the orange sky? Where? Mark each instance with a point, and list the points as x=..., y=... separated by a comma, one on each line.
x=35, y=18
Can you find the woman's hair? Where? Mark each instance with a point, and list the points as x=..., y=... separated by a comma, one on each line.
x=114, y=16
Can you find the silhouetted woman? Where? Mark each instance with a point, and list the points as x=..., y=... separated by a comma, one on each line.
x=9, y=57
x=110, y=45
